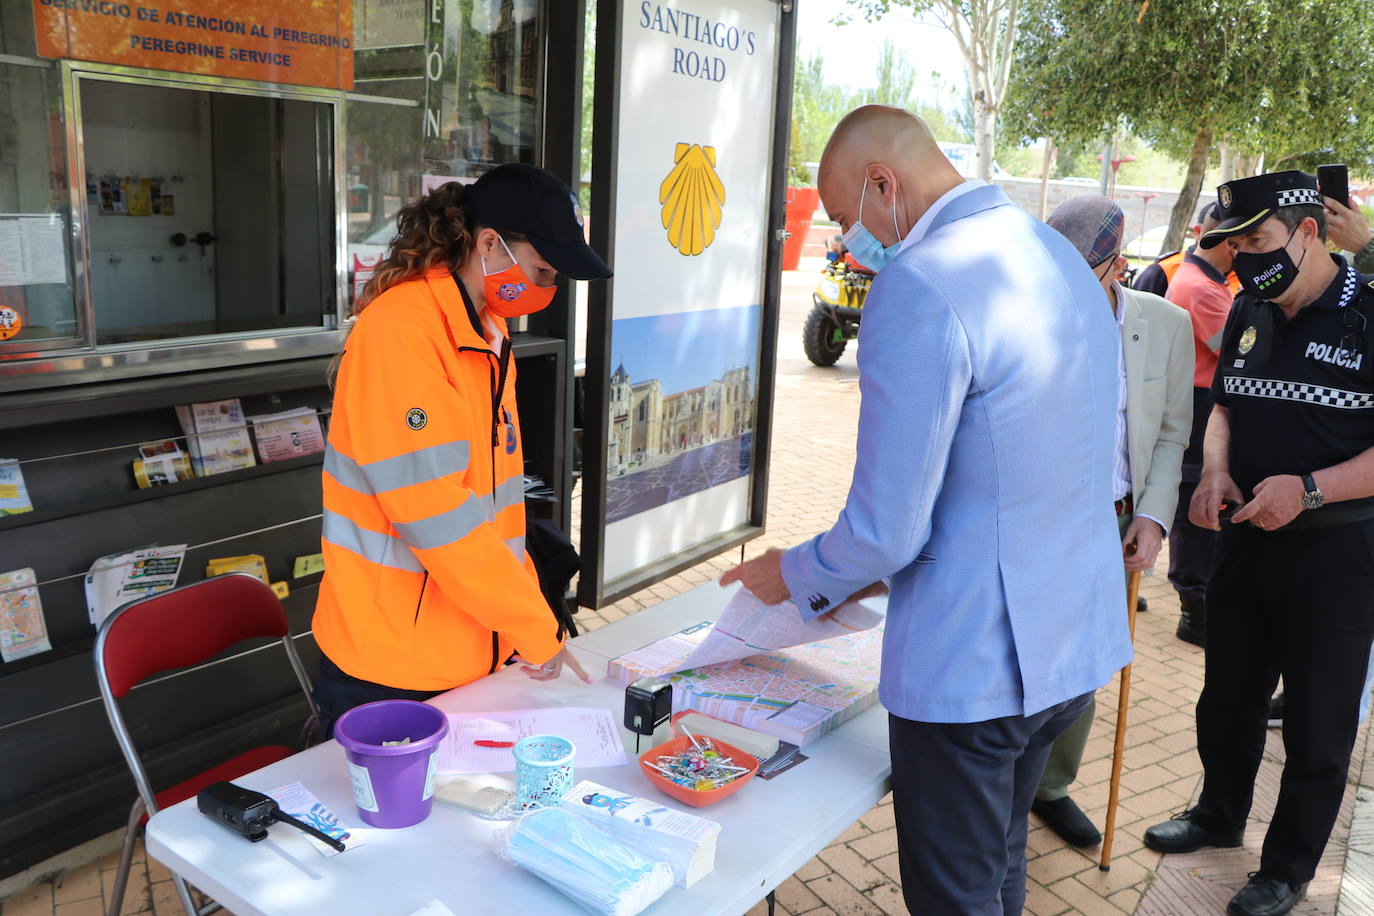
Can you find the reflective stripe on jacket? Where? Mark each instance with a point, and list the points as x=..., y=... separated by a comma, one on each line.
x=427, y=584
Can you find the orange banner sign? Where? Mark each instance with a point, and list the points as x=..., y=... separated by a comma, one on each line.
x=301, y=42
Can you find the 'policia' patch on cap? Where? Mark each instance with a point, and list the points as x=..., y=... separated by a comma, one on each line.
x=1247, y=202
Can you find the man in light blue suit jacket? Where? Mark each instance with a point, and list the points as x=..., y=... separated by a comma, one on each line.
x=982, y=488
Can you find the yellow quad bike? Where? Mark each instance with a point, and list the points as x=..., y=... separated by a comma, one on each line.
x=838, y=304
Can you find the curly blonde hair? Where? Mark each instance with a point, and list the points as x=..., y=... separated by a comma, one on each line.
x=436, y=230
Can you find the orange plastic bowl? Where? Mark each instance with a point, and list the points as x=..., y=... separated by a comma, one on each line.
x=697, y=799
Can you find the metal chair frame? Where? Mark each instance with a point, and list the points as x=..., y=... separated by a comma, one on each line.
x=146, y=802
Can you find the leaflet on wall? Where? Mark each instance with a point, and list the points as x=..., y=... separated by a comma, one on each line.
x=692, y=199
x=217, y=437
x=32, y=249
x=14, y=495
x=118, y=578
x=288, y=434
x=23, y=630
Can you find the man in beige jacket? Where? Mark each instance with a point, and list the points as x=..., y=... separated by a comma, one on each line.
x=1154, y=418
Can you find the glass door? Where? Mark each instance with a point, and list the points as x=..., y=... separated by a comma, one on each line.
x=210, y=212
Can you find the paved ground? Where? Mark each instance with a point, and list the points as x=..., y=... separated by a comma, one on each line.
x=682, y=475
x=856, y=875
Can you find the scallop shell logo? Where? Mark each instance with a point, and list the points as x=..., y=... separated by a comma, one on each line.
x=692, y=196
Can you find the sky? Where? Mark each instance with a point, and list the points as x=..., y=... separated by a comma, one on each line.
x=686, y=349
x=850, y=51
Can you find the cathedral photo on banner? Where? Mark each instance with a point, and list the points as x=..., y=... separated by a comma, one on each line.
x=682, y=416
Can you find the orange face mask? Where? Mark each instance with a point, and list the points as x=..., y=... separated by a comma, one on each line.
x=510, y=292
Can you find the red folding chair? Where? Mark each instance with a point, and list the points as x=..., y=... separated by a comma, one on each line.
x=174, y=629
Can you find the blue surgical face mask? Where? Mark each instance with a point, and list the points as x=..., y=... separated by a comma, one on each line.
x=865, y=248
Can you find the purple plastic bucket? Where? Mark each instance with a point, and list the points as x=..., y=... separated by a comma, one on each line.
x=394, y=784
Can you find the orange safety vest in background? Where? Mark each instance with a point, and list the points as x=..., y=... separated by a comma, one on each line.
x=427, y=584
x=1171, y=263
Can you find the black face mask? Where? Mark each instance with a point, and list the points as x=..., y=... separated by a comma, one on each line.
x=1267, y=274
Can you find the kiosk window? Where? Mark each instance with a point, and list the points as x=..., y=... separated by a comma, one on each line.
x=35, y=260
x=208, y=212
x=412, y=125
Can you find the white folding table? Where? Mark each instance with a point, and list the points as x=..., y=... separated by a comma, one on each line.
x=768, y=830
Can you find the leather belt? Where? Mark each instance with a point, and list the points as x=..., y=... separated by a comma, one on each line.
x=1125, y=505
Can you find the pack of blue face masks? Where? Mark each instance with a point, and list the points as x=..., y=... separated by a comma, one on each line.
x=587, y=864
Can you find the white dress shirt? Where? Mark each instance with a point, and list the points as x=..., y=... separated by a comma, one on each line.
x=923, y=224
x=1121, y=470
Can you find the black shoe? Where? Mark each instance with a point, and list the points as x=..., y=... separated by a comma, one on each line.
x=1181, y=834
x=1192, y=620
x=1141, y=605
x=1265, y=896
x=1065, y=818
x=1276, y=711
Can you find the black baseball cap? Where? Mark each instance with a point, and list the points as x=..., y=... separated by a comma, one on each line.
x=1247, y=202
x=531, y=201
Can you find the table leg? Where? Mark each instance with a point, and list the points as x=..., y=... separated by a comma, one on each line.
x=772, y=899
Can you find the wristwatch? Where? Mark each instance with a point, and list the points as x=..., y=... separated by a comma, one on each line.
x=1312, y=497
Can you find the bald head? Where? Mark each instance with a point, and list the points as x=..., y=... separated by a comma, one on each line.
x=906, y=171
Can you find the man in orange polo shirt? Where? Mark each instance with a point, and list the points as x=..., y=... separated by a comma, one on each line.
x=1155, y=277
x=1200, y=287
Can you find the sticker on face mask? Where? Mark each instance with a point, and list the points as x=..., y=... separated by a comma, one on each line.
x=416, y=419
x=511, y=291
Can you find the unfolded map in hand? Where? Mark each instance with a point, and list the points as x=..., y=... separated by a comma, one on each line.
x=762, y=667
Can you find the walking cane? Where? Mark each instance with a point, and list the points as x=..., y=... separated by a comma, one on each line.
x=1123, y=702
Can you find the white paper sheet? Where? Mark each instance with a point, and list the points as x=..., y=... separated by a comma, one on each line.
x=593, y=732
x=32, y=249
x=748, y=627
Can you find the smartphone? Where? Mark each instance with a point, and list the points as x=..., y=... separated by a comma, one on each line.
x=1228, y=510
x=1334, y=182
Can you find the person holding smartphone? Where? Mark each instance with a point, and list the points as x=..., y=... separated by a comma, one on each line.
x=1348, y=227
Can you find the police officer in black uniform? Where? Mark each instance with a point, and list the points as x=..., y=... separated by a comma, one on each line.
x=1289, y=456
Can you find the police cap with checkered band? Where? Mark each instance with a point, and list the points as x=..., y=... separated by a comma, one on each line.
x=1247, y=202
x=531, y=201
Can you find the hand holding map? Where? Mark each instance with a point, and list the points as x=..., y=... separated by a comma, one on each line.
x=748, y=627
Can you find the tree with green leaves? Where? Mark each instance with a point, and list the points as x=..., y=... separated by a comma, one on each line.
x=1258, y=74
x=986, y=33
x=817, y=105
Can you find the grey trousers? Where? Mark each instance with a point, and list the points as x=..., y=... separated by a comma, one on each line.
x=1061, y=769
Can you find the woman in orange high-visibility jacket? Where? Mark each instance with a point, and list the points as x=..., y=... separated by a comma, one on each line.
x=427, y=584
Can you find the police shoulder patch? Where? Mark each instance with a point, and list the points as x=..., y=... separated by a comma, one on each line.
x=416, y=418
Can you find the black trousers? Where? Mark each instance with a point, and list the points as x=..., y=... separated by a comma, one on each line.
x=336, y=692
x=962, y=794
x=1298, y=604
x=1190, y=547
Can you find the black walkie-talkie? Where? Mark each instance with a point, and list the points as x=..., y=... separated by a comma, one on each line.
x=250, y=813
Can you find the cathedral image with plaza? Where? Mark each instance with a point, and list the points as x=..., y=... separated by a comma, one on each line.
x=650, y=428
